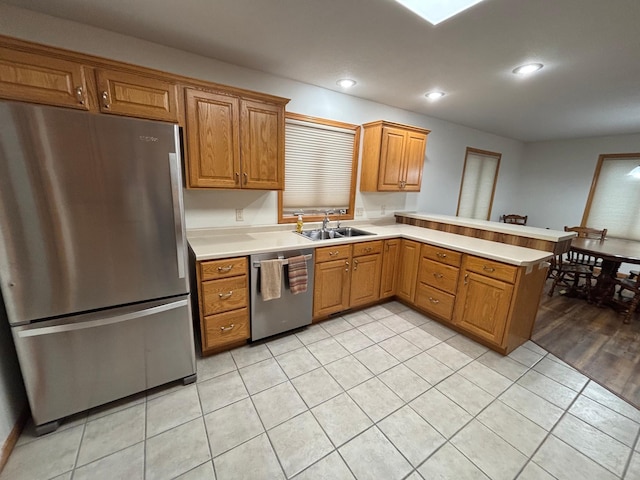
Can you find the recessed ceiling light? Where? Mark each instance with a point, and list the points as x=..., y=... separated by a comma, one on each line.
x=527, y=69
x=434, y=95
x=436, y=11
x=346, y=83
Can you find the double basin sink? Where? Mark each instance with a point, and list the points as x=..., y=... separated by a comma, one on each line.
x=342, y=232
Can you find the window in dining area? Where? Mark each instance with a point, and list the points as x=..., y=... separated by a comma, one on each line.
x=614, y=199
x=321, y=163
x=478, y=183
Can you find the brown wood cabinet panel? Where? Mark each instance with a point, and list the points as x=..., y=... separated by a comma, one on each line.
x=442, y=255
x=331, y=287
x=262, y=145
x=438, y=275
x=490, y=268
x=408, y=270
x=212, y=139
x=390, y=255
x=224, y=295
x=391, y=158
x=365, y=279
x=416, y=144
x=367, y=248
x=228, y=267
x=435, y=301
x=137, y=96
x=482, y=306
x=337, y=252
x=226, y=328
x=31, y=77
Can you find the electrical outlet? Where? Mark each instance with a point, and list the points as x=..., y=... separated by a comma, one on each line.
x=359, y=212
x=383, y=209
x=239, y=215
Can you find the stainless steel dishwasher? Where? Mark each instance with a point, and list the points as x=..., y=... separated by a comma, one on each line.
x=287, y=312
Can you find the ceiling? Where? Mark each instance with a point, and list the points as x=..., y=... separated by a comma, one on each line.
x=589, y=86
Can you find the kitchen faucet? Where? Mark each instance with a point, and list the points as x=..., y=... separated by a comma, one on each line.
x=326, y=220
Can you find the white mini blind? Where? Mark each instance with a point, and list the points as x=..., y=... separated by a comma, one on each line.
x=318, y=167
x=476, y=191
x=616, y=200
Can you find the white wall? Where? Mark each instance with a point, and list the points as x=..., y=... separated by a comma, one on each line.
x=556, y=177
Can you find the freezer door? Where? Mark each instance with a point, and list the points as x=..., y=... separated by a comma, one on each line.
x=90, y=211
x=81, y=362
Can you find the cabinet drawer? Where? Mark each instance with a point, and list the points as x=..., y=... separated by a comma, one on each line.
x=490, y=268
x=442, y=255
x=229, y=267
x=226, y=328
x=367, y=248
x=436, y=274
x=338, y=252
x=224, y=295
x=435, y=301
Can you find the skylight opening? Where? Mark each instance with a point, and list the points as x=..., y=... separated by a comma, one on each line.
x=437, y=11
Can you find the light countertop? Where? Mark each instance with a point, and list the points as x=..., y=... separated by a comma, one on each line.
x=214, y=243
x=519, y=230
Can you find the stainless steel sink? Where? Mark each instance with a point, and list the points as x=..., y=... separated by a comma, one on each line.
x=342, y=232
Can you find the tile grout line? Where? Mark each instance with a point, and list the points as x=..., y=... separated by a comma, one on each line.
x=625, y=470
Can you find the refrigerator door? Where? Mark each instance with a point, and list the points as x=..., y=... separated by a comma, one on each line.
x=84, y=361
x=90, y=211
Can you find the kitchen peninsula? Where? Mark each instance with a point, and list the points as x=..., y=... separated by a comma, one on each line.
x=484, y=289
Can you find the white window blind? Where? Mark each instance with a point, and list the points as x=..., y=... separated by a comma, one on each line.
x=478, y=181
x=318, y=167
x=615, y=203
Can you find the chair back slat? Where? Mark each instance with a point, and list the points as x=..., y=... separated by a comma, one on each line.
x=514, y=219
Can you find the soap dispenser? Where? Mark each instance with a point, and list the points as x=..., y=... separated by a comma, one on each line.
x=299, y=224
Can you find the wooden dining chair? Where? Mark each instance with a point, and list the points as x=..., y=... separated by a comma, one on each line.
x=514, y=219
x=632, y=285
x=570, y=275
x=582, y=258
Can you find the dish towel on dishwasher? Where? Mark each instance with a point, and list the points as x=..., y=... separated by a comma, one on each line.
x=298, y=278
x=270, y=279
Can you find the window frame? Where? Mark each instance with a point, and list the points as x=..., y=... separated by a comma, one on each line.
x=485, y=153
x=596, y=176
x=350, y=215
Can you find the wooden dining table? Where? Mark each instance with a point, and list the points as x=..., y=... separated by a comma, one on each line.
x=613, y=252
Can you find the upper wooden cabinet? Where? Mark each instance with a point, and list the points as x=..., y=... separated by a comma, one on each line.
x=233, y=142
x=137, y=96
x=31, y=77
x=392, y=157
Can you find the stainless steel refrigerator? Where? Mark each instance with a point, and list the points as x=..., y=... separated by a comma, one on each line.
x=92, y=256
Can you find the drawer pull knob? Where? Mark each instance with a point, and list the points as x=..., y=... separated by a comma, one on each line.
x=80, y=95
x=488, y=269
x=368, y=249
x=237, y=177
x=434, y=300
x=225, y=269
x=441, y=255
x=105, y=100
x=333, y=254
x=438, y=275
x=466, y=279
x=246, y=177
x=347, y=265
x=230, y=327
x=355, y=264
x=224, y=296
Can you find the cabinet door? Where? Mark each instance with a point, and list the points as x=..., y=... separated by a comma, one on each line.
x=408, y=270
x=389, y=267
x=331, y=287
x=41, y=79
x=413, y=161
x=391, y=154
x=137, y=96
x=365, y=279
x=212, y=140
x=262, y=145
x=482, y=306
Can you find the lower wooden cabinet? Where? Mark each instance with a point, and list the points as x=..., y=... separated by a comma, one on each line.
x=365, y=273
x=223, y=296
x=389, y=278
x=408, y=270
x=331, y=287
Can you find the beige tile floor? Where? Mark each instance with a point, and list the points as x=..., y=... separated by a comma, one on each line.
x=384, y=394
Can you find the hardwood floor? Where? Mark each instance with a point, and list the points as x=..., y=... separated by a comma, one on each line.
x=593, y=340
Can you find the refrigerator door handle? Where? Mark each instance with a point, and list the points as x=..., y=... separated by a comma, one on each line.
x=174, y=167
x=69, y=327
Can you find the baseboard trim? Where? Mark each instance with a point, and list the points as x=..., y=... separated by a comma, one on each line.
x=11, y=440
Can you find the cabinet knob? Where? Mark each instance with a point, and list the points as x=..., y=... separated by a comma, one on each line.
x=355, y=265
x=333, y=254
x=441, y=255
x=488, y=269
x=466, y=279
x=438, y=275
x=347, y=265
x=224, y=296
x=246, y=177
x=80, y=95
x=225, y=269
x=105, y=100
x=230, y=327
x=434, y=300
x=237, y=177
x=368, y=249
